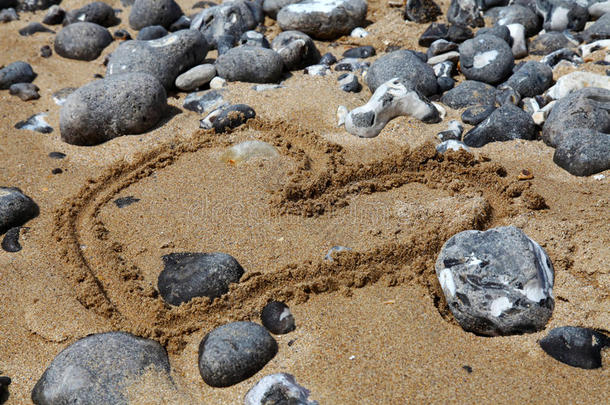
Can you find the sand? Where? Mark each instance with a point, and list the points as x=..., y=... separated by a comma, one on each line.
x=372, y=326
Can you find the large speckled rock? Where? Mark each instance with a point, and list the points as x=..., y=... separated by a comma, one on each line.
x=406, y=66
x=506, y=123
x=16, y=208
x=153, y=12
x=532, y=79
x=469, y=93
x=296, y=49
x=82, y=41
x=250, y=64
x=497, y=282
x=583, y=152
x=465, y=13
x=486, y=58
x=16, y=72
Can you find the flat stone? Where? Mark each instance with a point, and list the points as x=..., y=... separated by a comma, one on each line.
x=532, y=79
x=250, y=64
x=476, y=114
x=227, y=117
x=196, y=77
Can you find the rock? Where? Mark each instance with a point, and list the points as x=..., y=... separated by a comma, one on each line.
x=360, y=52
x=577, y=347
x=469, y=93
x=555, y=57
x=10, y=242
x=151, y=32
x=234, y=352
x=254, y=38
x=189, y=275
x=497, y=282
x=560, y=15
x=60, y=96
x=598, y=9
x=272, y=7
x=434, y=32
x=8, y=15
x=35, y=123
x=33, y=28
x=359, y=32
x=507, y=95
x=125, y=201
x=422, y=11
x=218, y=83
x=441, y=46
x=453, y=132
x=164, y=58
x=516, y=14
x=45, y=51
x=350, y=65
x=25, y=91
x=543, y=44
x=296, y=49
x=465, y=13
x=506, y=123
x=16, y=208
x=486, y=58
x=478, y=113
x=57, y=155
x=33, y=5
x=576, y=81
x=265, y=87
x=97, y=12
x=531, y=79
x=452, y=56
x=96, y=368
x=349, y=83
x=443, y=72
x=122, y=35
x=125, y=104
x=227, y=117
x=519, y=43
x=328, y=59
x=407, y=67
x=153, y=12
x=583, y=152
x=82, y=41
x=4, y=383
x=453, y=145
x=600, y=29
x=277, y=318
x=54, y=16
x=16, y=72
x=204, y=101
x=182, y=23
x=250, y=64
x=195, y=77
x=280, y=388
x=458, y=33
x=500, y=31
x=392, y=99
x=323, y=19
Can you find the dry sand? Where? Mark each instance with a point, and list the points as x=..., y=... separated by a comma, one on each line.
x=372, y=327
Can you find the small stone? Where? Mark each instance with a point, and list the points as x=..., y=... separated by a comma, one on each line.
x=57, y=170
x=34, y=5
x=82, y=41
x=182, y=23
x=33, y=28
x=122, y=35
x=8, y=15
x=296, y=49
x=359, y=32
x=57, y=155
x=452, y=57
x=228, y=117
x=577, y=347
x=60, y=96
x=525, y=174
x=422, y=11
x=349, y=83
x=35, y=123
x=441, y=46
x=151, y=32
x=196, y=77
x=360, y=52
x=458, y=33
x=153, y=12
x=204, y=101
x=97, y=12
x=25, y=91
x=434, y=32
x=234, y=352
x=265, y=87
x=516, y=14
x=218, y=83
x=254, y=38
x=16, y=72
x=553, y=58
x=250, y=64
x=45, y=51
x=328, y=59
x=451, y=144
x=465, y=13
x=10, y=242
x=476, y=114
x=280, y=388
x=507, y=95
x=576, y=81
x=16, y=208
x=532, y=79
x=486, y=58
x=543, y=44
x=406, y=66
x=453, y=132
x=277, y=318
x=125, y=201
x=469, y=93
x=54, y=16
x=506, y=123
x=598, y=9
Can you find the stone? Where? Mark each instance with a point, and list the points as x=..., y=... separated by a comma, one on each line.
x=452, y=57
x=350, y=65
x=153, y=12
x=600, y=29
x=469, y=93
x=407, y=67
x=10, y=242
x=123, y=104
x=60, y=96
x=164, y=58
x=434, y=32
x=323, y=19
x=296, y=49
x=576, y=81
x=280, y=388
x=16, y=208
x=97, y=12
x=122, y=35
x=500, y=31
x=16, y=72
x=25, y=91
x=96, y=369
x=507, y=95
x=195, y=77
x=476, y=114
x=453, y=132
x=204, y=101
x=516, y=14
x=151, y=32
x=277, y=318
x=588, y=49
x=451, y=145
x=125, y=201
x=272, y=7
x=8, y=15
x=34, y=5
x=497, y=282
x=532, y=79
x=574, y=346
x=250, y=64
x=45, y=51
x=519, y=43
x=349, y=83
x=182, y=23
x=190, y=275
x=583, y=151
x=36, y=123
x=359, y=32
x=254, y=38
x=57, y=155
x=54, y=16
x=328, y=59
x=486, y=58
x=465, y=13
x=82, y=41
x=234, y=352
x=506, y=123
x=560, y=15
x=218, y=83
x=441, y=46
x=459, y=33
x=227, y=117
x=360, y=52
x=553, y=58
x=543, y=44
x=34, y=28
x=422, y=11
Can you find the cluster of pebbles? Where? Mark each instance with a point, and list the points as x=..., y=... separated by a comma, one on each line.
x=497, y=282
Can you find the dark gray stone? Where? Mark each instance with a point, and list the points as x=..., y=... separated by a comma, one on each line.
x=250, y=64
x=441, y=46
x=500, y=31
x=122, y=35
x=95, y=369
x=506, y=123
x=125, y=201
x=153, y=12
x=234, y=352
x=296, y=49
x=182, y=23
x=278, y=389
x=34, y=28
x=254, y=38
x=25, y=91
x=516, y=14
x=486, y=58
x=151, y=32
x=227, y=117
x=406, y=66
x=16, y=208
x=10, y=242
x=422, y=11
x=277, y=318
x=458, y=33
x=97, y=12
x=548, y=42
x=350, y=65
x=129, y=103
x=577, y=347
x=497, y=282
x=8, y=15
x=531, y=79
x=46, y=51
x=560, y=15
x=360, y=52
x=54, y=16
x=82, y=41
x=434, y=32
x=349, y=83
x=189, y=275
x=476, y=114
x=600, y=29
x=445, y=83
x=57, y=155
x=16, y=72
x=465, y=13
x=583, y=152
x=469, y=93
x=272, y=7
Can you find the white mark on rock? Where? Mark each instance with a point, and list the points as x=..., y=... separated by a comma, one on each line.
x=484, y=58
x=446, y=280
x=500, y=305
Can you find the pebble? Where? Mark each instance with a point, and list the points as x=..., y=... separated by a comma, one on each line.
x=45, y=51
x=451, y=144
x=392, y=99
x=234, y=352
x=328, y=59
x=296, y=49
x=228, y=117
x=280, y=389
x=60, y=96
x=16, y=208
x=218, y=83
x=500, y=31
x=82, y=41
x=254, y=38
x=277, y=318
x=443, y=72
x=576, y=81
x=34, y=5
x=583, y=151
x=164, y=58
x=122, y=35
x=599, y=30
x=96, y=368
x=434, y=32
x=5, y=381
x=123, y=104
x=189, y=275
x=545, y=43
x=54, y=16
x=577, y=347
x=349, y=83
x=25, y=91
x=486, y=58
x=35, y=123
x=204, y=101
x=253, y=149
x=452, y=57
x=125, y=201
x=360, y=52
x=323, y=19
x=507, y=95
x=406, y=66
x=519, y=43
x=151, y=32
x=458, y=33
x=272, y=7
x=97, y=12
x=16, y=72
x=250, y=64
x=532, y=78
x=560, y=15
x=153, y=12
x=359, y=32
x=441, y=46
x=196, y=77
x=453, y=132
x=497, y=282
x=422, y=11
x=57, y=155
x=33, y=28
x=8, y=15
x=351, y=65
x=10, y=242
x=465, y=13
x=553, y=58
x=505, y=123
x=469, y=93
x=516, y=14
x=182, y=23
x=476, y=114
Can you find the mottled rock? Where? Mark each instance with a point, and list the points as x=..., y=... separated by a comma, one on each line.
x=82, y=41
x=531, y=79
x=577, y=347
x=25, y=91
x=97, y=12
x=553, y=58
x=204, y=101
x=35, y=123
x=296, y=49
x=422, y=11
x=519, y=43
x=441, y=46
x=16, y=72
x=486, y=58
x=16, y=208
x=277, y=318
x=33, y=5
x=560, y=15
x=227, y=117
x=8, y=15
x=250, y=64
x=195, y=77
x=360, y=52
x=350, y=65
x=45, y=51
x=54, y=16
x=506, y=123
x=122, y=202
x=254, y=38
x=543, y=44
x=600, y=29
x=469, y=93
x=516, y=14
x=476, y=114
x=10, y=242
x=500, y=31
x=453, y=132
x=451, y=145
x=465, y=13
x=406, y=66
x=280, y=389
x=153, y=12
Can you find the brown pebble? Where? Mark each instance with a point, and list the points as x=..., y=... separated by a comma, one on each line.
x=525, y=174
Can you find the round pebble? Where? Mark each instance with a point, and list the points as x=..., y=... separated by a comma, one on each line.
x=250, y=64
x=151, y=32
x=486, y=58
x=195, y=77
x=16, y=72
x=296, y=49
x=468, y=93
x=82, y=41
x=153, y=12
x=277, y=318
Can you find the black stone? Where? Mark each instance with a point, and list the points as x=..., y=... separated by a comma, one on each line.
x=458, y=33
x=16, y=72
x=469, y=93
x=57, y=170
x=583, y=152
x=122, y=35
x=46, y=51
x=328, y=59
x=577, y=347
x=506, y=123
x=97, y=12
x=548, y=42
x=25, y=91
x=476, y=114
x=182, y=23
x=434, y=32
x=15, y=208
x=276, y=317
x=465, y=13
x=361, y=52
x=82, y=41
x=231, y=117
x=54, y=16
x=422, y=11
x=532, y=79
x=125, y=201
x=500, y=31
x=10, y=242
x=153, y=12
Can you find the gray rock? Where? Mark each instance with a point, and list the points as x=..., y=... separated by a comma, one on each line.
x=8, y=15
x=189, y=275
x=500, y=31
x=557, y=56
x=227, y=117
x=34, y=28
x=54, y=16
x=453, y=132
x=10, y=243
x=97, y=12
x=486, y=58
x=465, y=13
x=506, y=123
x=349, y=65
x=95, y=370
x=204, y=101
x=583, y=151
x=130, y=103
x=234, y=352
x=406, y=66
x=272, y=7
x=195, y=77
x=46, y=51
x=254, y=38
x=548, y=42
x=560, y=15
x=250, y=64
x=441, y=46
x=531, y=79
x=34, y=5
x=296, y=49
x=516, y=14
x=349, y=83
x=422, y=11
x=280, y=389
x=164, y=58
x=16, y=72
x=182, y=23
x=35, y=123
x=82, y=41
x=151, y=32
x=600, y=29
x=323, y=19
x=507, y=95
x=577, y=347
x=518, y=41
x=277, y=318
x=16, y=208
x=469, y=93
x=153, y=12
x=25, y=91
x=497, y=282
x=476, y=114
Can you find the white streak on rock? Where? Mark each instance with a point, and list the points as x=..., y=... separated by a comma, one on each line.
x=484, y=58
x=500, y=305
x=446, y=280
